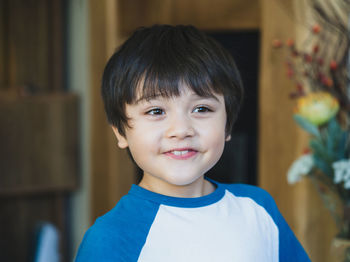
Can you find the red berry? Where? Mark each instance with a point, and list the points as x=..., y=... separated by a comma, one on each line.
x=290, y=42
x=276, y=43
x=316, y=29
x=315, y=49
x=308, y=58
x=327, y=81
x=293, y=95
x=306, y=151
x=320, y=61
x=333, y=65
x=295, y=53
x=299, y=87
x=321, y=76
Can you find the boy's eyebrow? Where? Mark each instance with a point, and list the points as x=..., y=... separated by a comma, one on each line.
x=205, y=97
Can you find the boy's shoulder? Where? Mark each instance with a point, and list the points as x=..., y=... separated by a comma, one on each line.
x=118, y=233
x=244, y=189
x=254, y=194
x=129, y=211
x=257, y=194
x=289, y=246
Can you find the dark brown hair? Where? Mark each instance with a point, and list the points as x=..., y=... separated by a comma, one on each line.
x=160, y=58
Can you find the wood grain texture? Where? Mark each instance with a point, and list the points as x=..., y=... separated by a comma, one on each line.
x=56, y=57
x=39, y=148
x=31, y=44
x=3, y=45
x=204, y=14
x=112, y=173
x=39, y=133
x=28, y=43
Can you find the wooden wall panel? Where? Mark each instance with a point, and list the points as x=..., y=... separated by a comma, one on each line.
x=277, y=138
x=3, y=51
x=99, y=142
x=218, y=15
x=111, y=170
x=39, y=144
x=28, y=43
x=39, y=167
x=31, y=44
x=38, y=134
x=204, y=14
x=56, y=44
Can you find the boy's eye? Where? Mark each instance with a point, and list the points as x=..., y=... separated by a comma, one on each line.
x=202, y=109
x=155, y=111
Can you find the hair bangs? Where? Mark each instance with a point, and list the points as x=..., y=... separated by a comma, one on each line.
x=156, y=81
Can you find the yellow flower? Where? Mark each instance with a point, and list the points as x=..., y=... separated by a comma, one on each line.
x=318, y=107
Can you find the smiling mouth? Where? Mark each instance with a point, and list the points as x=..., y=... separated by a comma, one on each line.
x=181, y=154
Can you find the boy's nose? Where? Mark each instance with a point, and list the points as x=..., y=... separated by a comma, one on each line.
x=180, y=127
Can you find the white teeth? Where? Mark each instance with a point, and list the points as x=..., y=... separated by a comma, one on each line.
x=179, y=153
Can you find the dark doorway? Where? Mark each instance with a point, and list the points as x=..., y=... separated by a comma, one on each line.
x=238, y=163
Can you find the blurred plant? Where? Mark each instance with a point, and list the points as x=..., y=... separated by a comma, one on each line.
x=319, y=68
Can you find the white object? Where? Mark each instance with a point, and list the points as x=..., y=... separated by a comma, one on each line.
x=48, y=244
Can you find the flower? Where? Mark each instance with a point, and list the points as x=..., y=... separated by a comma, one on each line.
x=302, y=166
x=317, y=107
x=316, y=29
x=333, y=65
x=342, y=172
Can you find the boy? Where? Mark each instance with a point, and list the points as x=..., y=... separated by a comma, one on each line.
x=171, y=95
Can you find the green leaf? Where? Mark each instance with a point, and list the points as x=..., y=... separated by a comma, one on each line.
x=341, y=149
x=307, y=125
x=324, y=166
x=333, y=127
x=319, y=149
x=333, y=137
x=336, y=140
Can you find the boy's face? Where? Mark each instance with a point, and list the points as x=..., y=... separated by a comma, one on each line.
x=175, y=141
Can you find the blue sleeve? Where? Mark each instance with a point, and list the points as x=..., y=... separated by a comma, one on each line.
x=120, y=234
x=290, y=248
x=96, y=247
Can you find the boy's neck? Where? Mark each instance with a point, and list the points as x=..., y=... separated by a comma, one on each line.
x=198, y=188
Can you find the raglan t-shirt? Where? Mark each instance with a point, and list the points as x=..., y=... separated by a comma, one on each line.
x=234, y=223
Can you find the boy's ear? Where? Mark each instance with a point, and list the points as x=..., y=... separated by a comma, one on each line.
x=228, y=138
x=122, y=142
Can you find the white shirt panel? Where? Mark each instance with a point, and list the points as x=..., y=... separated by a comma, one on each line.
x=232, y=229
